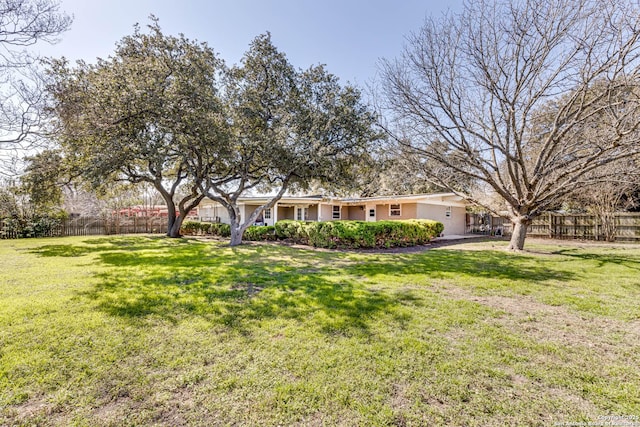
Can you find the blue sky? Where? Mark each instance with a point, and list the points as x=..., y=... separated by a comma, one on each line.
x=349, y=36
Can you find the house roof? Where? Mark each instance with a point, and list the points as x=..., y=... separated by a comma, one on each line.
x=434, y=197
x=284, y=199
x=450, y=199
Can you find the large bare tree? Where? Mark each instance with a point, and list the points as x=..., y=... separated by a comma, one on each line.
x=23, y=23
x=606, y=199
x=529, y=99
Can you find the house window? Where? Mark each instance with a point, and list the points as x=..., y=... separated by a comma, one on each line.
x=372, y=213
x=302, y=214
x=267, y=214
x=394, y=210
x=447, y=213
x=335, y=214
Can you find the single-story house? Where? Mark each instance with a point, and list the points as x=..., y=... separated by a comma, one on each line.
x=447, y=208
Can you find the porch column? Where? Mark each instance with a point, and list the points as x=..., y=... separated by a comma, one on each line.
x=242, y=208
x=274, y=213
x=319, y=212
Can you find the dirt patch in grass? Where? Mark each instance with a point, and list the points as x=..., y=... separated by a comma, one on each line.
x=592, y=349
x=34, y=412
x=113, y=411
x=250, y=288
x=556, y=323
x=31, y=408
x=587, y=346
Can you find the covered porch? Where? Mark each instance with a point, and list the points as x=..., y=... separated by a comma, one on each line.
x=301, y=210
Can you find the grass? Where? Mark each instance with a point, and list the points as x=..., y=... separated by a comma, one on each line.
x=150, y=331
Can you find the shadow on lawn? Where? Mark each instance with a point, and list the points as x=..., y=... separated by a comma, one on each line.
x=237, y=295
x=442, y=263
x=97, y=245
x=628, y=260
x=172, y=279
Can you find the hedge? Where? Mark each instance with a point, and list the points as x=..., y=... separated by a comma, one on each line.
x=257, y=232
x=36, y=226
x=194, y=228
x=359, y=234
x=331, y=234
x=254, y=232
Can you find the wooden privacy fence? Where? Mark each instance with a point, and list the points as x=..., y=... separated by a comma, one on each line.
x=9, y=229
x=622, y=226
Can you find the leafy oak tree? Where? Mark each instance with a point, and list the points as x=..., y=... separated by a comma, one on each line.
x=288, y=128
x=43, y=181
x=143, y=115
x=511, y=96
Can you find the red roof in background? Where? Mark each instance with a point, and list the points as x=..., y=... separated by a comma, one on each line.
x=143, y=211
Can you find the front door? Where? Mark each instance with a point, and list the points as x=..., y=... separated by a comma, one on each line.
x=371, y=213
x=267, y=214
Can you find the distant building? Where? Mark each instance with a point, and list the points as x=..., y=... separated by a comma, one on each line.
x=150, y=211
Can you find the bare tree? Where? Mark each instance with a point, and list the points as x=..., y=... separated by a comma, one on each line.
x=393, y=172
x=23, y=23
x=506, y=93
x=606, y=199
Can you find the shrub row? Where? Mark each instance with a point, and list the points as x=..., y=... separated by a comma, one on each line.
x=37, y=226
x=331, y=234
x=257, y=232
x=359, y=234
x=196, y=228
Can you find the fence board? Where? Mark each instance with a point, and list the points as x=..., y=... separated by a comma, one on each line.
x=563, y=226
x=96, y=226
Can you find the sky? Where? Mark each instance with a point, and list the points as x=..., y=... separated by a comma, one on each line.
x=348, y=36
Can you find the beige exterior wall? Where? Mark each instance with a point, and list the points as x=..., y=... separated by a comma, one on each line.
x=285, y=213
x=407, y=211
x=356, y=213
x=327, y=212
x=456, y=224
x=312, y=214
x=248, y=210
x=211, y=211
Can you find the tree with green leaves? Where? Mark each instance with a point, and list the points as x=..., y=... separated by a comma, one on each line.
x=511, y=96
x=151, y=113
x=43, y=180
x=288, y=128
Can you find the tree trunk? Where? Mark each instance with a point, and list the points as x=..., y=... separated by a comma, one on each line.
x=236, y=235
x=171, y=213
x=174, y=228
x=520, y=226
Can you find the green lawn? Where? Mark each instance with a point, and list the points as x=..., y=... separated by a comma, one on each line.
x=149, y=331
